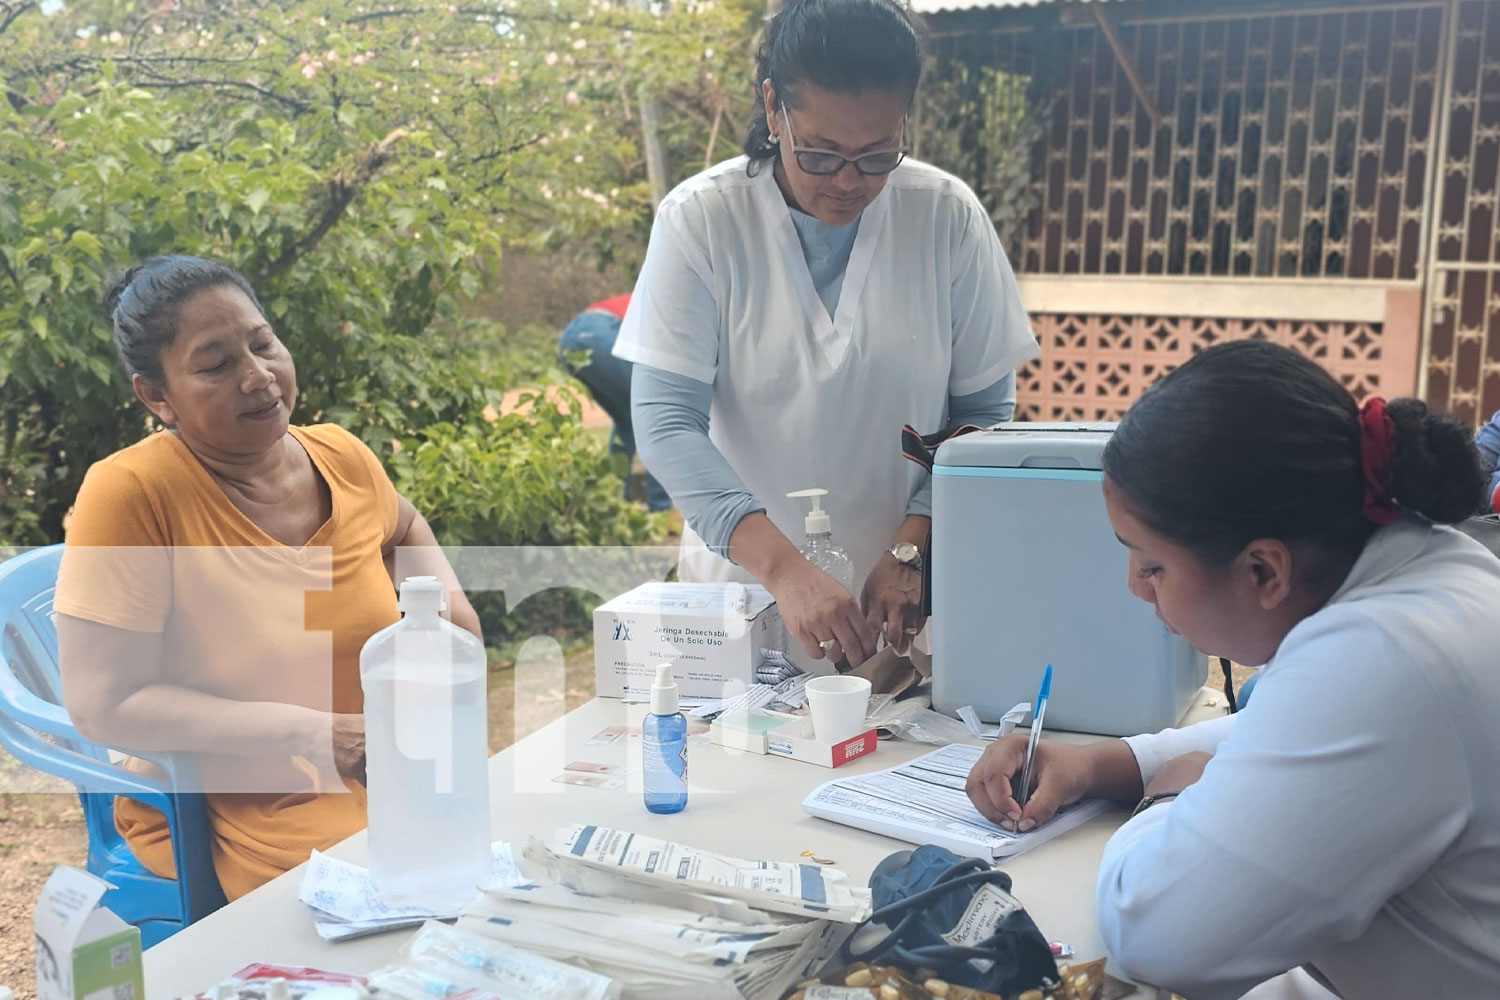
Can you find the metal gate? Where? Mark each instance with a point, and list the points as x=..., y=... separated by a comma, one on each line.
x=1460, y=370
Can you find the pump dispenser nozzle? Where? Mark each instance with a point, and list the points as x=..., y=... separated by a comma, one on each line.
x=820, y=548
x=817, y=521
x=664, y=691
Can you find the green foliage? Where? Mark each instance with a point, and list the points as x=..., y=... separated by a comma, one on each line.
x=364, y=167
x=524, y=355
x=531, y=476
x=982, y=124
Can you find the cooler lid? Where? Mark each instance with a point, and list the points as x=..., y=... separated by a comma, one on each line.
x=1029, y=446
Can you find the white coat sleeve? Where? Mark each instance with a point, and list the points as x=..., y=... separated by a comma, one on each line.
x=1155, y=749
x=673, y=321
x=1327, y=798
x=991, y=331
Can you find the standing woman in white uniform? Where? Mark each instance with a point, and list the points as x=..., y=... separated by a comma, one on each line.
x=1345, y=825
x=801, y=303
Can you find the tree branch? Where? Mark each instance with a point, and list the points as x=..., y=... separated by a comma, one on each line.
x=495, y=154
x=11, y=12
x=166, y=83
x=192, y=60
x=340, y=193
x=490, y=13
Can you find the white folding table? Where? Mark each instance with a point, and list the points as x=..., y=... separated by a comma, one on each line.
x=740, y=804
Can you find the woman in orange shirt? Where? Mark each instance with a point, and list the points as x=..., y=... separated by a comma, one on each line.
x=222, y=575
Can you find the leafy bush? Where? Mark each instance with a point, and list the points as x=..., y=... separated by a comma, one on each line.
x=364, y=167
x=534, y=476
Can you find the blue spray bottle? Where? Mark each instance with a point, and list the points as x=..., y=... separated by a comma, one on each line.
x=664, y=747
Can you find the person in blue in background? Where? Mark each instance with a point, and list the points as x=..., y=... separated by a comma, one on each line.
x=1488, y=443
x=607, y=378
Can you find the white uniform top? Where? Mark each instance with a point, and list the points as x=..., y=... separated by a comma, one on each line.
x=1350, y=817
x=803, y=399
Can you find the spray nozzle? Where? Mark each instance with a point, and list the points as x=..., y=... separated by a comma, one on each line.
x=664, y=691
x=817, y=521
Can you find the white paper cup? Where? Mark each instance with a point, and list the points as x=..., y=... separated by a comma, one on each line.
x=838, y=704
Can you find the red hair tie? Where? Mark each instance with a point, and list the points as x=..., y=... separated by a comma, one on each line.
x=1377, y=449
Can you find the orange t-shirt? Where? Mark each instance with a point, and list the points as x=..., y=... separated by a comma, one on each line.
x=244, y=617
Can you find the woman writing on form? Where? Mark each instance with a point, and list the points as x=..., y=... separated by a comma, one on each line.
x=797, y=306
x=1346, y=824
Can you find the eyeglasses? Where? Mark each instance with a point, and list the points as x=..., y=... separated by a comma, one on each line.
x=823, y=162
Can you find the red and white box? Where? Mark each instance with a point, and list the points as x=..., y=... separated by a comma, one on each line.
x=796, y=740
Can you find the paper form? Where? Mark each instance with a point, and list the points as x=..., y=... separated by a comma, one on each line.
x=345, y=904
x=923, y=802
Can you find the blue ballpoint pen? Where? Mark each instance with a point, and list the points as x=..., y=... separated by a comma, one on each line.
x=1039, y=709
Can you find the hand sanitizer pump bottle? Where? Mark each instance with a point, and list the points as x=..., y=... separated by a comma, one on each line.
x=664, y=747
x=820, y=548
x=427, y=756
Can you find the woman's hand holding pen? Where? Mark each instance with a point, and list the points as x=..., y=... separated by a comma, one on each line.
x=1061, y=773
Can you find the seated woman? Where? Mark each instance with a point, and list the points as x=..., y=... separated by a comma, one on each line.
x=221, y=576
x=1345, y=824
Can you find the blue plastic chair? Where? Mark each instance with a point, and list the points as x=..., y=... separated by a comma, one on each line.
x=37, y=730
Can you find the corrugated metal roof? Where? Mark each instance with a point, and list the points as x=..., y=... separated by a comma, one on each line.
x=944, y=6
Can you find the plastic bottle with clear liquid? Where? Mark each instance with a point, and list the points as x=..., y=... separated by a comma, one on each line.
x=820, y=548
x=664, y=747
x=427, y=756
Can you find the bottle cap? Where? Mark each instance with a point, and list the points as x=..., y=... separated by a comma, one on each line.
x=817, y=522
x=422, y=594
x=664, y=691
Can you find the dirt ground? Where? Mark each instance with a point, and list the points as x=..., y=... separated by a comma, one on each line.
x=43, y=826
x=38, y=829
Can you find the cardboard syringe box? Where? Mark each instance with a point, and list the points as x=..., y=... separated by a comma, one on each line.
x=711, y=633
x=83, y=951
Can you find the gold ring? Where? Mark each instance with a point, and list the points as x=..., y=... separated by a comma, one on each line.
x=912, y=631
x=827, y=644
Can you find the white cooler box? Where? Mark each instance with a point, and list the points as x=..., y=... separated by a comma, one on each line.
x=1026, y=571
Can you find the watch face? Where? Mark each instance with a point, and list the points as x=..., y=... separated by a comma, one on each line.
x=904, y=552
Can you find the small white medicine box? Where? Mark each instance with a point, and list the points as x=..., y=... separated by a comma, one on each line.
x=83, y=950
x=711, y=633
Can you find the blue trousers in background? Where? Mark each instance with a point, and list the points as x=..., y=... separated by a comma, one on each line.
x=608, y=380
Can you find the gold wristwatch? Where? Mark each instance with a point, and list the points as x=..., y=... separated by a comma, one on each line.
x=907, y=554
